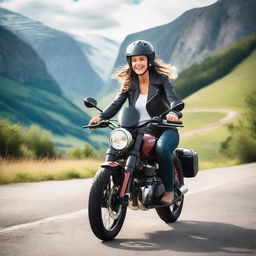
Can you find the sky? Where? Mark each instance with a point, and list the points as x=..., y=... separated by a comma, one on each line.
x=110, y=18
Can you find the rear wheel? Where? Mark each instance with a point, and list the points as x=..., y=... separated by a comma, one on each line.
x=171, y=213
x=106, y=214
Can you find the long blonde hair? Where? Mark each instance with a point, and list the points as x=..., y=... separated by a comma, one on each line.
x=125, y=73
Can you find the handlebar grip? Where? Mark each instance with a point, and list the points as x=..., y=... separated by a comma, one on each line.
x=177, y=122
x=172, y=122
x=102, y=124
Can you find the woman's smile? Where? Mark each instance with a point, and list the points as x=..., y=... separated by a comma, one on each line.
x=139, y=64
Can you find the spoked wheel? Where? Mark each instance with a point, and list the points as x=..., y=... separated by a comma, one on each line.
x=106, y=214
x=171, y=213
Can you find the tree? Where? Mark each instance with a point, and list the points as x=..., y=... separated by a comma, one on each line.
x=25, y=142
x=241, y=143
x=39, y=141
x=86, y=152
x=11, y=139
x=75, y=153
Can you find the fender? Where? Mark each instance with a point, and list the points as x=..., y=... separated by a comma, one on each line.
x=125, y=178
x=114, y=166
x=111, y=164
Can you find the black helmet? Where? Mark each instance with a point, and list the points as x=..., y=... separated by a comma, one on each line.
x=140, y=47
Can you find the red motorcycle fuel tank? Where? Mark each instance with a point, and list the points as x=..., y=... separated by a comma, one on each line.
x=147, y=150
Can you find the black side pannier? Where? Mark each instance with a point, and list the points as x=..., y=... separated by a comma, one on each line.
x=189, y=161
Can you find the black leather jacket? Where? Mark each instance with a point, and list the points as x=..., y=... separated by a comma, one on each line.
x=160, y=96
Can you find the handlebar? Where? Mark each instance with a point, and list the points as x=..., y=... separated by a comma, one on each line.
x=156, y=121
x=159, y=121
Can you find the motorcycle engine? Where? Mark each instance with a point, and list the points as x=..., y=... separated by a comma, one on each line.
x=151, y=193
x=147, y=187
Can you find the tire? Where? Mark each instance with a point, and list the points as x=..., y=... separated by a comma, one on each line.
x=170, y=214
x=106, y=214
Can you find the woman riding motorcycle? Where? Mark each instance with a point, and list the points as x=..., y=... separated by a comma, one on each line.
x=145, y=83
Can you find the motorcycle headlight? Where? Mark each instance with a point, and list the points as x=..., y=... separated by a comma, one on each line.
x=120, y=139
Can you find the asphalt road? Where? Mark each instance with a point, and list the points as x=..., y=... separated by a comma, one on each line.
x=50, y=218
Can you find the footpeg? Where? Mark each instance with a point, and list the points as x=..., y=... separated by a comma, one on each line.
x=183, y=189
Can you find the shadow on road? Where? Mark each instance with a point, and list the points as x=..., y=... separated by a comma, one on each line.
x=194, y=236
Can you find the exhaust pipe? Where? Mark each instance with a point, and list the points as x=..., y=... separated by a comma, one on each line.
x=183, y=189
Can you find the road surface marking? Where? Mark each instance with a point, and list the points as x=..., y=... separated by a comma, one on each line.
x=68, y=216
x=218, y=184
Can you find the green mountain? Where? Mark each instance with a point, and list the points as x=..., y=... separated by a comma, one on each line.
x=20, y=62
x=29, y=95
x=27, y=105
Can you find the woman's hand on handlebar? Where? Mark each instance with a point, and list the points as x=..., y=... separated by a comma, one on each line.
x=95, y=120
x=172, y=118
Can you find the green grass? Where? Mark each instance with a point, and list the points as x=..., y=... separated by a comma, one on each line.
x=194, y=120
x=226, y=93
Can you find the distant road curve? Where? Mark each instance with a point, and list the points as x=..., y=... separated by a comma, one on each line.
x=230, y=115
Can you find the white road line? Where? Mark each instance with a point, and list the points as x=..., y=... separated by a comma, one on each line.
x=68, y=216
x=76, y=214
x=219, y=184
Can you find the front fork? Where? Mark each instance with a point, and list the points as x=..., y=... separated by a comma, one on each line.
x=130, y=163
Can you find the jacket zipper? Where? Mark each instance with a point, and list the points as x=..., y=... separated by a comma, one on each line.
x=152, y=97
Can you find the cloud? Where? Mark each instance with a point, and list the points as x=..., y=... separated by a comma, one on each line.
x=90, y=14
x=112, y=18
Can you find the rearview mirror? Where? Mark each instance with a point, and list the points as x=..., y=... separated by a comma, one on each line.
x=90, y=102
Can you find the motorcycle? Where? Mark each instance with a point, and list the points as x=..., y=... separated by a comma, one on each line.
x=130, y=176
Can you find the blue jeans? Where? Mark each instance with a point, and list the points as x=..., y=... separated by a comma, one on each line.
x=166, y=144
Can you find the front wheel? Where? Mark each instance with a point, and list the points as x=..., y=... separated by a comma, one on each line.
x=106, y=214
x=171, y=213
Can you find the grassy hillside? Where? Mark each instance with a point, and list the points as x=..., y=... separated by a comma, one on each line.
x=230, y=91
x=27, y=105
x=196, y=120
x=226, y=93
